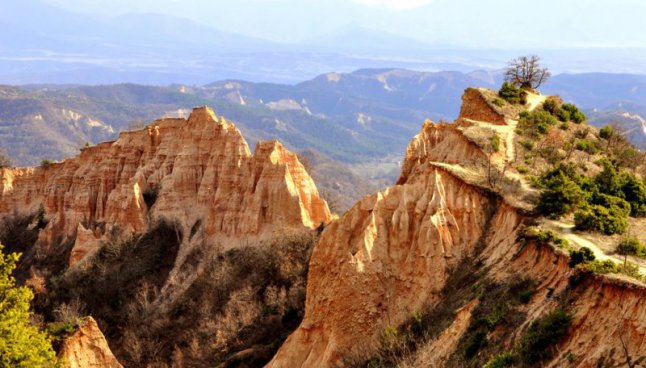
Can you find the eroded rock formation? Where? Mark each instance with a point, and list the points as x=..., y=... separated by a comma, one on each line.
x=397, y=253
x=87, y=348
x=198, y=172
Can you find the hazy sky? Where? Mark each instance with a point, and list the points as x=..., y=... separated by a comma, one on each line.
x=486, y=23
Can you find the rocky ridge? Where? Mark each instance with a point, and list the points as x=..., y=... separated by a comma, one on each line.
x=198, y=172
x=150, y=211
x=422, y=247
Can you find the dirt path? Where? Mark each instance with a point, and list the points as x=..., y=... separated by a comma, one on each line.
x=567, y=231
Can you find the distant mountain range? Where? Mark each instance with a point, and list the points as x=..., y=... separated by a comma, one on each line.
x=370, y=113
x=57, y=46
x=361, y=118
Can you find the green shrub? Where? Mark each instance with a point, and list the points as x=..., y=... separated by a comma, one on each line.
x=581, y=133
x=498, y=102
x=604, y=220
x=563, y=115
x=561, y=195
x=504, y=360
x=536, y=122
x=40, y=218
x=47, y=163
x=495, y=142
x=21, y=343
x=608, y=181
x=543, y=237
x=597, y=266
x=564, y=126
x=587, y=146
x=631, y=246
x=522, y=169
x=61, y=329
x=527, y=144
x=543, y=334
x=631, y=270
x=583, y=255
x=575, y=115
x=610, y=267
x=616, y=204
x=634, y=192
x=512, y=94
x=606, y=132
x=551, y=105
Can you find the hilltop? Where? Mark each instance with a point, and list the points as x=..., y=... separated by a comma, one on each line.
x=456, y=265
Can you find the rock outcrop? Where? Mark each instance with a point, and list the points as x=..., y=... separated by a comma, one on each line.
x=475, y=106
x=395, y=253
x=87, y=348
x=198, y=172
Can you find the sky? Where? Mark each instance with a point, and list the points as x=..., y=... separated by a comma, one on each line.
x=469, y=23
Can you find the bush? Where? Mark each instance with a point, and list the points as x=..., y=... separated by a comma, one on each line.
x=575, y=115
x=587, y=146
x=551, y=105
x=606, y=132
x=583, y=255
x=631, y=246
x=563, y=115
x=634, y=192
x=604, y=220
x=538, y=341
x=21, y=343
x=498, y=102
x=602, y=267
x=561, y=195
x=581, y=133
x=504, y=360
x=536, y=122
x=527, y=144
x=495, y=142
x=512, y=94
x=47, y=163
x=616, y=204
x=608, y=181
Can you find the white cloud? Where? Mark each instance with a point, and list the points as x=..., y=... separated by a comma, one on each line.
x=395, y=4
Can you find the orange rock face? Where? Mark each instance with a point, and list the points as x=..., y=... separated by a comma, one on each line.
x=387, y=258
x=198, y=172
x=476, y=107
x=391, y=256
x=87, y=348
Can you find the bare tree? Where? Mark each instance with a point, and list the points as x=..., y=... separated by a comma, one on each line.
x=526, y=72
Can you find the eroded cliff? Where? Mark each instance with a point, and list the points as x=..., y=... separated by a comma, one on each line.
x=198, y=172
x=176, y=238
x=406, y=269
